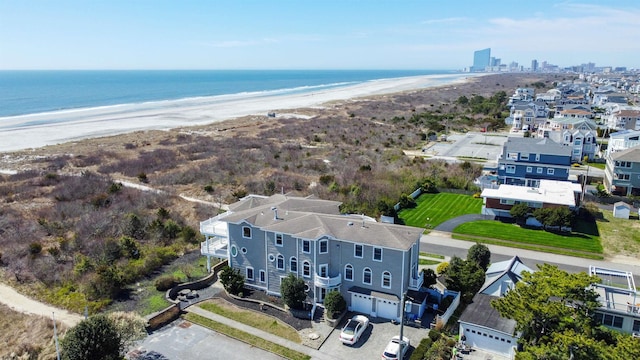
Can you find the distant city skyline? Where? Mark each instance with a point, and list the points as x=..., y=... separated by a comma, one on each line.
x=331, y=34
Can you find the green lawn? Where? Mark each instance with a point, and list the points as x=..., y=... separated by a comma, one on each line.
x=247, y=338
x=600, y=166
x=428, y=262
x=433, y=209
x=588, y=242
x=253, y=319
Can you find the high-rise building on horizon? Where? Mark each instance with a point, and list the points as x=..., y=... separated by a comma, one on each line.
x=534, y=65
x=481, y=59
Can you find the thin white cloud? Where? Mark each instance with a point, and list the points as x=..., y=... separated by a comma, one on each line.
x=451, y=20
x=240, y=43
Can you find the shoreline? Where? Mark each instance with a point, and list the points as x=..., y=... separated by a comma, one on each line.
x=32, y=131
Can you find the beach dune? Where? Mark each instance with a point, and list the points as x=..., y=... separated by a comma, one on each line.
x=37, y=130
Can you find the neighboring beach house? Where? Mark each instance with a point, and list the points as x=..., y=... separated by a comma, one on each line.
x=527, y=114
x=267, y=238
x=526, y=161
x=574, y=111
x=482, y=326
x=551, y=96
x=578, y=134
x=622, y=173
x=622, y=140
x=619, y=299
x=549, y=193
x=624, y=119
x=521, y=94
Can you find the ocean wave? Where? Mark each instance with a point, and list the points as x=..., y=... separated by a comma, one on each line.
x=186, y=101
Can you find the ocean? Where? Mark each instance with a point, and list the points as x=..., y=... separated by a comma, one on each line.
x=35, y=92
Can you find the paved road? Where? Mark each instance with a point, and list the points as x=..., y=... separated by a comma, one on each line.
x=451, y=224
x=441, y=243
x=23, y=304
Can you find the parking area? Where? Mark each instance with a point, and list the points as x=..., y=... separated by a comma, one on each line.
x=185, y=340
x=472, y=144
x=373, y=341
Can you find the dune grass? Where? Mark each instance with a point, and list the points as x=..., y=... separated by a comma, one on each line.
x=434, y=209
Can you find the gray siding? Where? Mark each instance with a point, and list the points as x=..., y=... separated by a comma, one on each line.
x=339, y=253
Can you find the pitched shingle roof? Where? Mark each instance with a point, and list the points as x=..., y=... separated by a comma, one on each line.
x=536, y=146
x=512, y=268
x=297, y=217
x=631, y=154
x=480, y=312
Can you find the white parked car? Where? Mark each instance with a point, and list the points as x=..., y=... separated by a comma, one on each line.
x=353, y=329
x=391, y=351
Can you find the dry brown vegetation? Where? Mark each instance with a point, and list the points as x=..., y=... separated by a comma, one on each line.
x=27, y=336
x=64, y=215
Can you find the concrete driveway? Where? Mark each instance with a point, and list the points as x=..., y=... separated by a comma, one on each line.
x=373, y=341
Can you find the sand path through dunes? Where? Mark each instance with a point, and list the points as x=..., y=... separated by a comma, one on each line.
x=23, y=304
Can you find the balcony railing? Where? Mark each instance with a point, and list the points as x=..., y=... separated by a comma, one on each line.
x=215, y=247
x=416, y=283
x=327, y=282
x=214, y=226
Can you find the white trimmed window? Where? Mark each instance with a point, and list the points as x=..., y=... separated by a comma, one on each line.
x=306, y=269
x=386, y=280
x=358, y=251
x=279, y=239
x=366, y=276
x=524, y=157
x=550, y=171
x=263, y=277
x=348, y=272
x=324, y=246
x=249, y=273
x=293, y=264
x=539, y=170
x=246, y=232
x=529, y=169
x=280, y=262
x=377, y=254
x=306, y=246
x=511, y=169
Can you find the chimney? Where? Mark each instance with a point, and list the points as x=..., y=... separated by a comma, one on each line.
x=275, y=213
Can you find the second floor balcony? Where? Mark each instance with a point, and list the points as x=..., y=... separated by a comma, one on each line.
x=415, y=282
x=217, y=247
x=327, y=281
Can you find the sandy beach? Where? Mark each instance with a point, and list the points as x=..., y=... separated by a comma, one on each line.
x=37, y=130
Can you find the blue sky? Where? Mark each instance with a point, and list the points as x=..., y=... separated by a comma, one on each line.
x=315, y=34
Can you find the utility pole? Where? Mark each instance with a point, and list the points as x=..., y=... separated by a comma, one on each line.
x=55, y=334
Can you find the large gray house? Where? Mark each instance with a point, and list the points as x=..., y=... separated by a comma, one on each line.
x=622, y=173
x=267, y=238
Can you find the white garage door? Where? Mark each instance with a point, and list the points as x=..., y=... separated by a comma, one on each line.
x=360, y=303
x=489, y=342
x=387, y=309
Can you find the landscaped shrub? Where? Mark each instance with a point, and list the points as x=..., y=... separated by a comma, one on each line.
x=166, y=282
x=434, y=335
x=442, y=268
x=423, y=347
x=232, y=280
x=292, y=290
x=334, y=303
